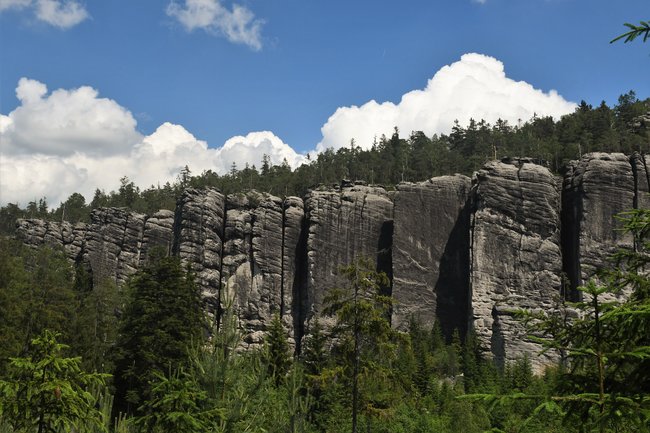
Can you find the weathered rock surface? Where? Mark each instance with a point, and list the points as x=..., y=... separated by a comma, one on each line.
x=69, y=237
x=158, y=233
x=343, y=225
x=253, y=262
x=596, y=188
x=516, y=259
x=431, y=253
x=198, y=238
x=113, y=244
x=294, y=268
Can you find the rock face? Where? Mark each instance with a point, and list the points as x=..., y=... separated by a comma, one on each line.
x=458, y=252
x=516, y=257
x=431, y=253
x=253, y=262
x=71, y=238
x=198, y=238
x=596, y=188
x=354, y=222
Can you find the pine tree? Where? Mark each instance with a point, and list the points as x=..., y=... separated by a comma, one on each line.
x=313, y=355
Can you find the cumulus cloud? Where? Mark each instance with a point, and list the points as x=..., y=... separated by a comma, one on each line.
x=74, y=141
x=252, y=147
x=67, y=121
x=475, y=87
x=54, y=144
x=58, y=13
x=238, y=25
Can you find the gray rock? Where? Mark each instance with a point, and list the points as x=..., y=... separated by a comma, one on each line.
x=431, y=253
x=158, y=233
x=515, y=255
x=65, y=236
x=198, y=235
x=343, y=226
x=294, y=269
x=253, y=260
x=596, y=188
x=113, y=244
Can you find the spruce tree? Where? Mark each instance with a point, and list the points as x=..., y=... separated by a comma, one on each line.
x=162, y=319
x=48, y=392
x=278, y=360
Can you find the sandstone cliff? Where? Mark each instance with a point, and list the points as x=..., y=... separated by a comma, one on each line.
x=460, y=252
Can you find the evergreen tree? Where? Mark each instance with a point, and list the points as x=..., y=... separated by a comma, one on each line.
x=363, y=328
x=277, y=351
x=162, y=318
x=47, y=392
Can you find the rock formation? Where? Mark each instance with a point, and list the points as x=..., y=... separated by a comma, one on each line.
x=343, y=225
x=516, y=259
x=431, y=253
x=459, y=252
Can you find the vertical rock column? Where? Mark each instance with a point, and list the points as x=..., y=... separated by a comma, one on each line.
x=516, y=260
x=158, y=233
x=113, y=244
x=431, y=253
x=252, y=261
x=343, y=226
x=596, y=188
x=198, y=234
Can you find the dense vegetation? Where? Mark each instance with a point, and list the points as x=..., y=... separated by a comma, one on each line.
x=390, y=160
x=70, y=349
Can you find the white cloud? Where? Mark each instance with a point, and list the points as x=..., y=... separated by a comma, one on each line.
x=74, y=141
x=14, y=4
x=58, y=13
x=476, y=87
x=62, y=14
x=67, y=121
x=238, y=25
x=252, y=147
x=481, y=2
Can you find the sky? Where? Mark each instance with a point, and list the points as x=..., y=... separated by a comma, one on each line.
x=94, y=90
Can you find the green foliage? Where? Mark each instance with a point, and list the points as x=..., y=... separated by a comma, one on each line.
x=277, y=351
x=36, y=293
x=366, y=341
x=162, y=318
x=48, y=392
x=643, y=29
x=177, y=404
x=95, y=324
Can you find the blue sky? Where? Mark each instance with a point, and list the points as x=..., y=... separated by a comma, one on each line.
x=215, y=70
